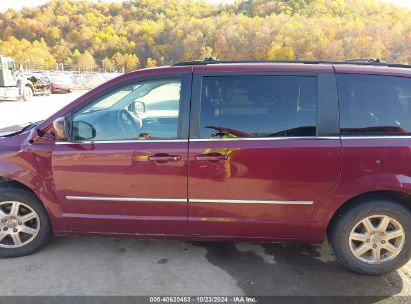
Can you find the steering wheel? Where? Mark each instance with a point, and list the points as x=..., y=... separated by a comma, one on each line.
x=129, y=123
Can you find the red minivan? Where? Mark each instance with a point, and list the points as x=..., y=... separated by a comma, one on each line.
x=230, y=151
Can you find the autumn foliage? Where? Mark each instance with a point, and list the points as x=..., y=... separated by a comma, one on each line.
x=143, y=33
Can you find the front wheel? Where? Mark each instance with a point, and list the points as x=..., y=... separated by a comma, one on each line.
x=27, y=93
x=24, y=224
x=373, y=237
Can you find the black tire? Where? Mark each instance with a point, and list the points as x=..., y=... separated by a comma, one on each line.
x=9, y=192
x=347, y=219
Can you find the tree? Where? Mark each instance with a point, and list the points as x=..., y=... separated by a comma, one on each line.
x=131, y=62
x=125, y=36
x=277, y=52
x=119, y=61
x=62, y=54
x=206, y=52
x=107, y=64
x=75, y=55
x=151, y=63
x=53, y=35
x=86, y=62
x=34, y=55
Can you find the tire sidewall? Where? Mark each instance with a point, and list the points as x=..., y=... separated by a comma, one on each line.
x=25, y=95
x=347, y=221
x=44, y=234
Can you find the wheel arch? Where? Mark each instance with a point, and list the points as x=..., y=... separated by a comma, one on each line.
x=15, y=184
x=52, y=209
x=6, y=183
x=402, y=198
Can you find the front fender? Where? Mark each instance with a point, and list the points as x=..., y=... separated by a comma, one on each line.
x=40, y=186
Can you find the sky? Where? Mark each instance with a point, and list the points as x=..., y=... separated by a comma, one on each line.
x=18, y=4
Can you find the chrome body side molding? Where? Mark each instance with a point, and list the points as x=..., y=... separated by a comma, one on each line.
x=183, y=200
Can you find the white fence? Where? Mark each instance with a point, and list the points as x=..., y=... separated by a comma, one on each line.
x=80, y=80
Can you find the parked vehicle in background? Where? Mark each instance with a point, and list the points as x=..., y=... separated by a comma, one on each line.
x=228, y=151
x=12, y=83
x=40, y=82
x=60, y=84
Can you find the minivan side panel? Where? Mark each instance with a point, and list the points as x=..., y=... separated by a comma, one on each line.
x=268, y=187
x=368, y=164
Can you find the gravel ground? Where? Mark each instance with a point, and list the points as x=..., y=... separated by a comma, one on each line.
x=105, y=266
x=15, y=113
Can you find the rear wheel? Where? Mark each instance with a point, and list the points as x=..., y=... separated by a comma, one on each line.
x=24, y=224
x=373, y=237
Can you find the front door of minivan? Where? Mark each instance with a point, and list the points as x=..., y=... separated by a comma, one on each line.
x=125, y=169
x=259, y=157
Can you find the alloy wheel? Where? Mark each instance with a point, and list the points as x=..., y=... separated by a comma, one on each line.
x=376, y=239
x=19, y=224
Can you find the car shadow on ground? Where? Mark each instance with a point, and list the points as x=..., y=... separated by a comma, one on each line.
x=296, y=270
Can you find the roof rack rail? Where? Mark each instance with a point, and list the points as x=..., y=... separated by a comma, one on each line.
x=365, y=60
x=355, y=61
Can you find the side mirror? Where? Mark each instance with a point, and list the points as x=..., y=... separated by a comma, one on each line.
x=59, y=126
x=137, y=107
x=85, y=131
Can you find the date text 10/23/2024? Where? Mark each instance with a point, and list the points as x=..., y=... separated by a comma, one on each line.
x=203, y=299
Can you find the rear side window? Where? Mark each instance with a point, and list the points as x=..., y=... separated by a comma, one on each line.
x=258, y=106
x=374, y=105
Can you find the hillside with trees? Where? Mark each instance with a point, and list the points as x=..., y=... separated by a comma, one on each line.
x=142, y=33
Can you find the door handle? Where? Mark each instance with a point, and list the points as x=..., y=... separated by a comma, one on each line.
x=211, y=157
x=164, y=158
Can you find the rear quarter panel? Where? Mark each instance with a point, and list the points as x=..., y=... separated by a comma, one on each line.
x=368, y=164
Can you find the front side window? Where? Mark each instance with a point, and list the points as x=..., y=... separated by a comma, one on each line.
x=143, y=111
x=374, y=105
x=258, y=106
